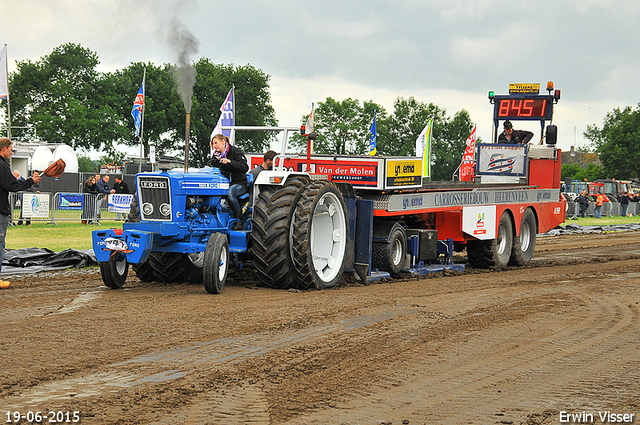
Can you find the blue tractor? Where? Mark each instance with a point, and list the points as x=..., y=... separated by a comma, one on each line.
x=295, y=233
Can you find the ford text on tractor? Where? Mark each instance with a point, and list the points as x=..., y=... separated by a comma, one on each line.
x=316, y=217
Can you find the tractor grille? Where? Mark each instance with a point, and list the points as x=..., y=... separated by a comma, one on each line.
x=154, y=198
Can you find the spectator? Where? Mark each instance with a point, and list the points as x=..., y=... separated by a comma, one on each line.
x=102, y=185
x=583, y=203
x=599, y=204
x=120, y=187
x=8, y=183
x=89, y=189
x=624, y=203
x=103, y=188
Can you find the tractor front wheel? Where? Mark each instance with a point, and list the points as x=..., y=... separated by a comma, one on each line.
x=216, y=263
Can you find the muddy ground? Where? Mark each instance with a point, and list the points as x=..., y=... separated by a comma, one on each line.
x=519, y=346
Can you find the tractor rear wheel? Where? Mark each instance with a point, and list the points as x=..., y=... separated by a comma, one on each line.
x=144, y=272
x=168, y=267
x=134, y=210
x=319, y=238
x=271, y=232
x=495, y=252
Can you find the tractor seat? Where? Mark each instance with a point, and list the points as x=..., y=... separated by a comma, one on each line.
x=245, y=197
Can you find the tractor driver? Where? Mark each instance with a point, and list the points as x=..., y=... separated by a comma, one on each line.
x=233, y=165
x=509, y=135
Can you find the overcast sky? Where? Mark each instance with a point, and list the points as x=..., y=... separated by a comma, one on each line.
x=450, y=53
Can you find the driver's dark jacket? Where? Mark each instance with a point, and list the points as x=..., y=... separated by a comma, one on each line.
x=236, y=170
x=517, y=137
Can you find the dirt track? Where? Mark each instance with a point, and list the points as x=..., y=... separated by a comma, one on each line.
x=515, y=346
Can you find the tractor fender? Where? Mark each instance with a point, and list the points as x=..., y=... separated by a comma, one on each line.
x=276, y=178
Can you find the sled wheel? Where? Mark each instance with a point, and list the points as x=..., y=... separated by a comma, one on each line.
x=390, y=256
x=216, y=263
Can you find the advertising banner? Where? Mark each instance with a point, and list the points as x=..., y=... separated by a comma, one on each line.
x=406, y=172
x=35, y=205
x=479, y=222
x=70, y=201
x=502, y=159
x=119, y=202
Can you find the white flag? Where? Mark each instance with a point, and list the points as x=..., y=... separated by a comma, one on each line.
x=4, y=85
x=308, y=126
x=423, y=148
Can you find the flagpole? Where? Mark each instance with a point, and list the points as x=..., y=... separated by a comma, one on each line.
x=144, y=76
x=233, y=112
x=6, y=64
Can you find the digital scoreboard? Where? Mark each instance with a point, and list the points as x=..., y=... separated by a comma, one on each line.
x=524, y=102
x=515, y=107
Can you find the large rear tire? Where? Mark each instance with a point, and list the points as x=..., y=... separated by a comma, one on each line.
x=525, y=244
x=216, y=263
x=319, y=236
x=143, y=271
x=168, y=267
x=271, y=232
x=134, y=210
x=495, y=252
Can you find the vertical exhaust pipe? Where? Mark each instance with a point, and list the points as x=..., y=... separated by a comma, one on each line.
x=187, y=130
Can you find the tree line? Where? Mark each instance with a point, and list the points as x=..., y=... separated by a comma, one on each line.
x=617, y=144
x=64, y=99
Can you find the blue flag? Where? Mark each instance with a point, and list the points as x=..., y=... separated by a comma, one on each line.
x=136, y=112
x=372, y=130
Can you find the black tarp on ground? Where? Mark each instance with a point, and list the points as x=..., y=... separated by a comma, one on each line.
x=31, y=260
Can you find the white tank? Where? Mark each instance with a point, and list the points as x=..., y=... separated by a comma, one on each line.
x=68, y=156
x=41, y=158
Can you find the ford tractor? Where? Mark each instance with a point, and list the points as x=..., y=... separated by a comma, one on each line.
x=295, y=233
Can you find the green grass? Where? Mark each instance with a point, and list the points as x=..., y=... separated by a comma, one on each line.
x=67, y=234
x=604, y=221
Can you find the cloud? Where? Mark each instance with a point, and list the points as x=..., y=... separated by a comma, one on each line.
x=449, y=53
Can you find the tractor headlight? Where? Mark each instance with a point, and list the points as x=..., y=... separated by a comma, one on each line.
x=165, y=209
x=147, y=208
